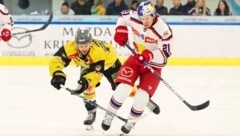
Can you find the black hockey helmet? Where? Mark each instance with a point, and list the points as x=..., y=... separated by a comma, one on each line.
x=83, y=36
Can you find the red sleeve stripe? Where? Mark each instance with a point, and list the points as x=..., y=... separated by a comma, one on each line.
x=135, y=32
x=4, y=13
x=158, y=65
x=170, y=37
x=135, y=20
x=167, y=39
x=156, y=33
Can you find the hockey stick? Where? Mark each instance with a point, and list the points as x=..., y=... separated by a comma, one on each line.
x=35, y=30
x=104, y=109
x=192, y=107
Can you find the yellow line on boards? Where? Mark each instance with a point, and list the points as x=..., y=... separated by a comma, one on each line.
x=24, y=61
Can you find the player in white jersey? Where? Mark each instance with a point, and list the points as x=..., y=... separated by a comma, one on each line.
x=152, y=39
x=6, y=24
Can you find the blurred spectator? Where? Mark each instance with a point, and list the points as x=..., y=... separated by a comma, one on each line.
x=134, y=5
x=116, y=7
x=81, y=7
x=1, y=2
x=200, y=9
x=65, y=10
x=160, y=8
x=189, y=5
x=177, y=9
x=222, y=9
x=98, y=8
x=91, y=2
x=23, y=4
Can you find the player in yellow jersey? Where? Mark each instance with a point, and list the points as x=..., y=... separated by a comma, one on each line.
x=96, y=58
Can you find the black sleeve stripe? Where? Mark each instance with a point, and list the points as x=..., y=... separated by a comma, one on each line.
x=61, y=53
x=97, y=66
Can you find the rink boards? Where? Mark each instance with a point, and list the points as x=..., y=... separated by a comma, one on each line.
x=198, y=41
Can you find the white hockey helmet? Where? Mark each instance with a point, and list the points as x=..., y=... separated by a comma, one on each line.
x=146, y=8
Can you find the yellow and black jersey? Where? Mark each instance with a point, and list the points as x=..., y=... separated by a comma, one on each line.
x=101, y=56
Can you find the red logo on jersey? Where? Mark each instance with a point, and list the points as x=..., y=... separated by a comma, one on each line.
x=150, y=40
x=127, y=72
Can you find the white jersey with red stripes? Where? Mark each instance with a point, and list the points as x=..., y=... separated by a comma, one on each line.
x=5, y=18
x=157, y=38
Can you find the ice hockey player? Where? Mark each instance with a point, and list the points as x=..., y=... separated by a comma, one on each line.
x=6, y=24
x=96, y=58
x=152, y=37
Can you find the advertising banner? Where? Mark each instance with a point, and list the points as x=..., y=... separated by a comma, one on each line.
x=194, y=37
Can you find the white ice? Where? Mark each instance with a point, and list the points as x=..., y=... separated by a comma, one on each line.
x=29, y=105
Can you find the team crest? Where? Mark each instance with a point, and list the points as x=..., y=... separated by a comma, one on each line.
x=165, y=34
x=98, y=68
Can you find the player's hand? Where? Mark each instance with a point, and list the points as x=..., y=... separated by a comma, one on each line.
x=121, y=35
x=82, y=86
x=146, y=56
x=6, y=35
x=58, y=79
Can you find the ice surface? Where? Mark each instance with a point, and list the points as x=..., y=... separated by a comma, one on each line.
x=29, y=105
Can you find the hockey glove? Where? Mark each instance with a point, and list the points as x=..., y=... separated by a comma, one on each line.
x=58, y=79
x=82, y=86
x=146, y=56
x=121, y=35
x=6, y=35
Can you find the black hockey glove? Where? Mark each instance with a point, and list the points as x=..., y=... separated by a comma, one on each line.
x=59, y=78
x=82, y=86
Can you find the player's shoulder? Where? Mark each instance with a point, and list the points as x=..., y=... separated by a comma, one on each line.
x=3, y=10
x=97, y=41
x=160, y=22
x=100, y=45
x=162, y=28
x=70, y=47
x=130, y=14
x=70, y=44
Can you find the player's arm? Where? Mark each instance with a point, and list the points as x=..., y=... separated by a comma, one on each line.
x=57, y=63
x=167, y=40
x=92, y=78
x=121, y=35
x=7, y=23
x=161, y=56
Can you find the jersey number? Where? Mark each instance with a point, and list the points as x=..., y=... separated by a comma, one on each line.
x=166, y=50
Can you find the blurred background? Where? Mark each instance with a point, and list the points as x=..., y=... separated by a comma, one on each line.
x=20, y=7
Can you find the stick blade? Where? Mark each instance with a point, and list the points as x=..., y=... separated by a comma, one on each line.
x=198, y=107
